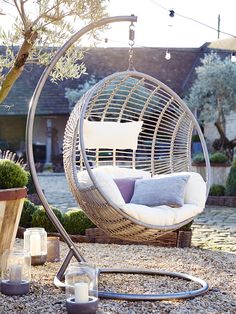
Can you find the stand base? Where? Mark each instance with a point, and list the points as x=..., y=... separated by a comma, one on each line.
x=154, y=297
x=147, y=297
x=89, y=307
x=14, y=288
x=38, y=260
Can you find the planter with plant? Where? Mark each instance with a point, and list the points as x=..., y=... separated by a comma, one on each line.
x=220, y=167
x=13, y=181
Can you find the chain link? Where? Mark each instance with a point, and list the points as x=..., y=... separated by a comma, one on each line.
x=131, y=44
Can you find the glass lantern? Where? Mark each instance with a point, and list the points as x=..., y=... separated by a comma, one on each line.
x=35, y=242
x=81, y=281
x=15, y=272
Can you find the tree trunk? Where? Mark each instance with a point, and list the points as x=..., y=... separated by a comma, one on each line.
x=18, y=66
x=223, y=143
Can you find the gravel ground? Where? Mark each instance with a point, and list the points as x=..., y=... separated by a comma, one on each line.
x=217, y=268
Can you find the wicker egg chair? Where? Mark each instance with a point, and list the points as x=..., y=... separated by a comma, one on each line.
x=163, y=146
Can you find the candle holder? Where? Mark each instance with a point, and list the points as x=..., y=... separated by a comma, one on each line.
x=53, y=249
x=81, y=281
x=35, y=242
x=16, y=272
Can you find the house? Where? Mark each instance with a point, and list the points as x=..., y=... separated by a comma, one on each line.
x=53, y=107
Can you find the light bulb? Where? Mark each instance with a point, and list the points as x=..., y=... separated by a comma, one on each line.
x=168, y=55
x=233, y=57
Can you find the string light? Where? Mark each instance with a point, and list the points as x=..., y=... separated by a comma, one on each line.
x=168, y=55
x=233, y=57
x=190, y=18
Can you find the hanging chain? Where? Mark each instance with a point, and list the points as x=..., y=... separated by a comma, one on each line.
x=131, y=44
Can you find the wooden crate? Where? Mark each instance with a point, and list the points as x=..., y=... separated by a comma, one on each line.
x=177, y=238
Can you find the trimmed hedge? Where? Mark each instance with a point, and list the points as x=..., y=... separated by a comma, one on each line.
x=40, y=219
x=12, y=175
x=217, y=190
x=230, y=187
x=76, y=222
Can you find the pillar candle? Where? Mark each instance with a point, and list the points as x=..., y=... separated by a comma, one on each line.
x=15, y=273
x=35, y=244
x=81, y=292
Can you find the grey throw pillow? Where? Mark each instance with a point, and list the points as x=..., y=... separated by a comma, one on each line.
x=163, y=191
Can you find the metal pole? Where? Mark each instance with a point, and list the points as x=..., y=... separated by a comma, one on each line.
x=31, y=116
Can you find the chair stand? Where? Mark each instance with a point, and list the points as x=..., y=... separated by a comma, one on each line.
x=58, y=281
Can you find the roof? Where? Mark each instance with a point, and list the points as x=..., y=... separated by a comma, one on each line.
x=176, y=73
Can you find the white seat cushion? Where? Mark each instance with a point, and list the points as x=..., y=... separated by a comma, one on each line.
x=161, y=215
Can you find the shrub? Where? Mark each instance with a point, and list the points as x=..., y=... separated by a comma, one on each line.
x=230, y=187
x=195, y=138
x=219, y=158
x=40, y=219
x=26, y=216
x=199, y=158
x=12, y=174
x=217, y=190
x=30, y=186
x=76, y=222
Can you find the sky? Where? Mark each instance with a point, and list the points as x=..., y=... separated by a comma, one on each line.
x=152, y=28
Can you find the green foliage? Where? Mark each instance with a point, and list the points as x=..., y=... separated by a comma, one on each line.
x=215, y=158
x=199, y=158
x=40, y=219
x=45, y=24
x=219, y=158
x=30, y=185
x=76, y=222
x=73, y=95
x=12, y=175
x=195, y=138
x=217, y=190
x=213, y=92
x=27, y=212
x=230, y=188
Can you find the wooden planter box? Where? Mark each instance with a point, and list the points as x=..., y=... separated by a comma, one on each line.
x=178, y=238
x=11, y=204
x=219, y=172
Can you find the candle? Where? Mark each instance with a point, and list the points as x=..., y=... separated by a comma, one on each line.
x=81, y=292
x=35, y=244
x=15, y=273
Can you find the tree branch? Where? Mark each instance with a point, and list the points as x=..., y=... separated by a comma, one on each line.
x=18, y=67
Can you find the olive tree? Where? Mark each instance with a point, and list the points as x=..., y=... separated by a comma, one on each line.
x=213, y=95
x=40, y=27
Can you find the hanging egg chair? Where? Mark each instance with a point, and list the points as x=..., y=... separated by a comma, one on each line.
x=132, y=129
x=130, y=125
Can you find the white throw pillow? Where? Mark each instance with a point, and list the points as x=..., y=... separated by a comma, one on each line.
x=118, y=172
x=113, y=135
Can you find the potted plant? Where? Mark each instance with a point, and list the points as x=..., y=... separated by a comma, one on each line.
x=13, y=179
x=220, y=167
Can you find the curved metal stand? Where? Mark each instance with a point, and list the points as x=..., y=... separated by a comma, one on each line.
x=73, y=250
x=148, y=297
x=154, y=297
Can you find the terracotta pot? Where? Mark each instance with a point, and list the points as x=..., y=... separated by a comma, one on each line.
x=11, y=204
